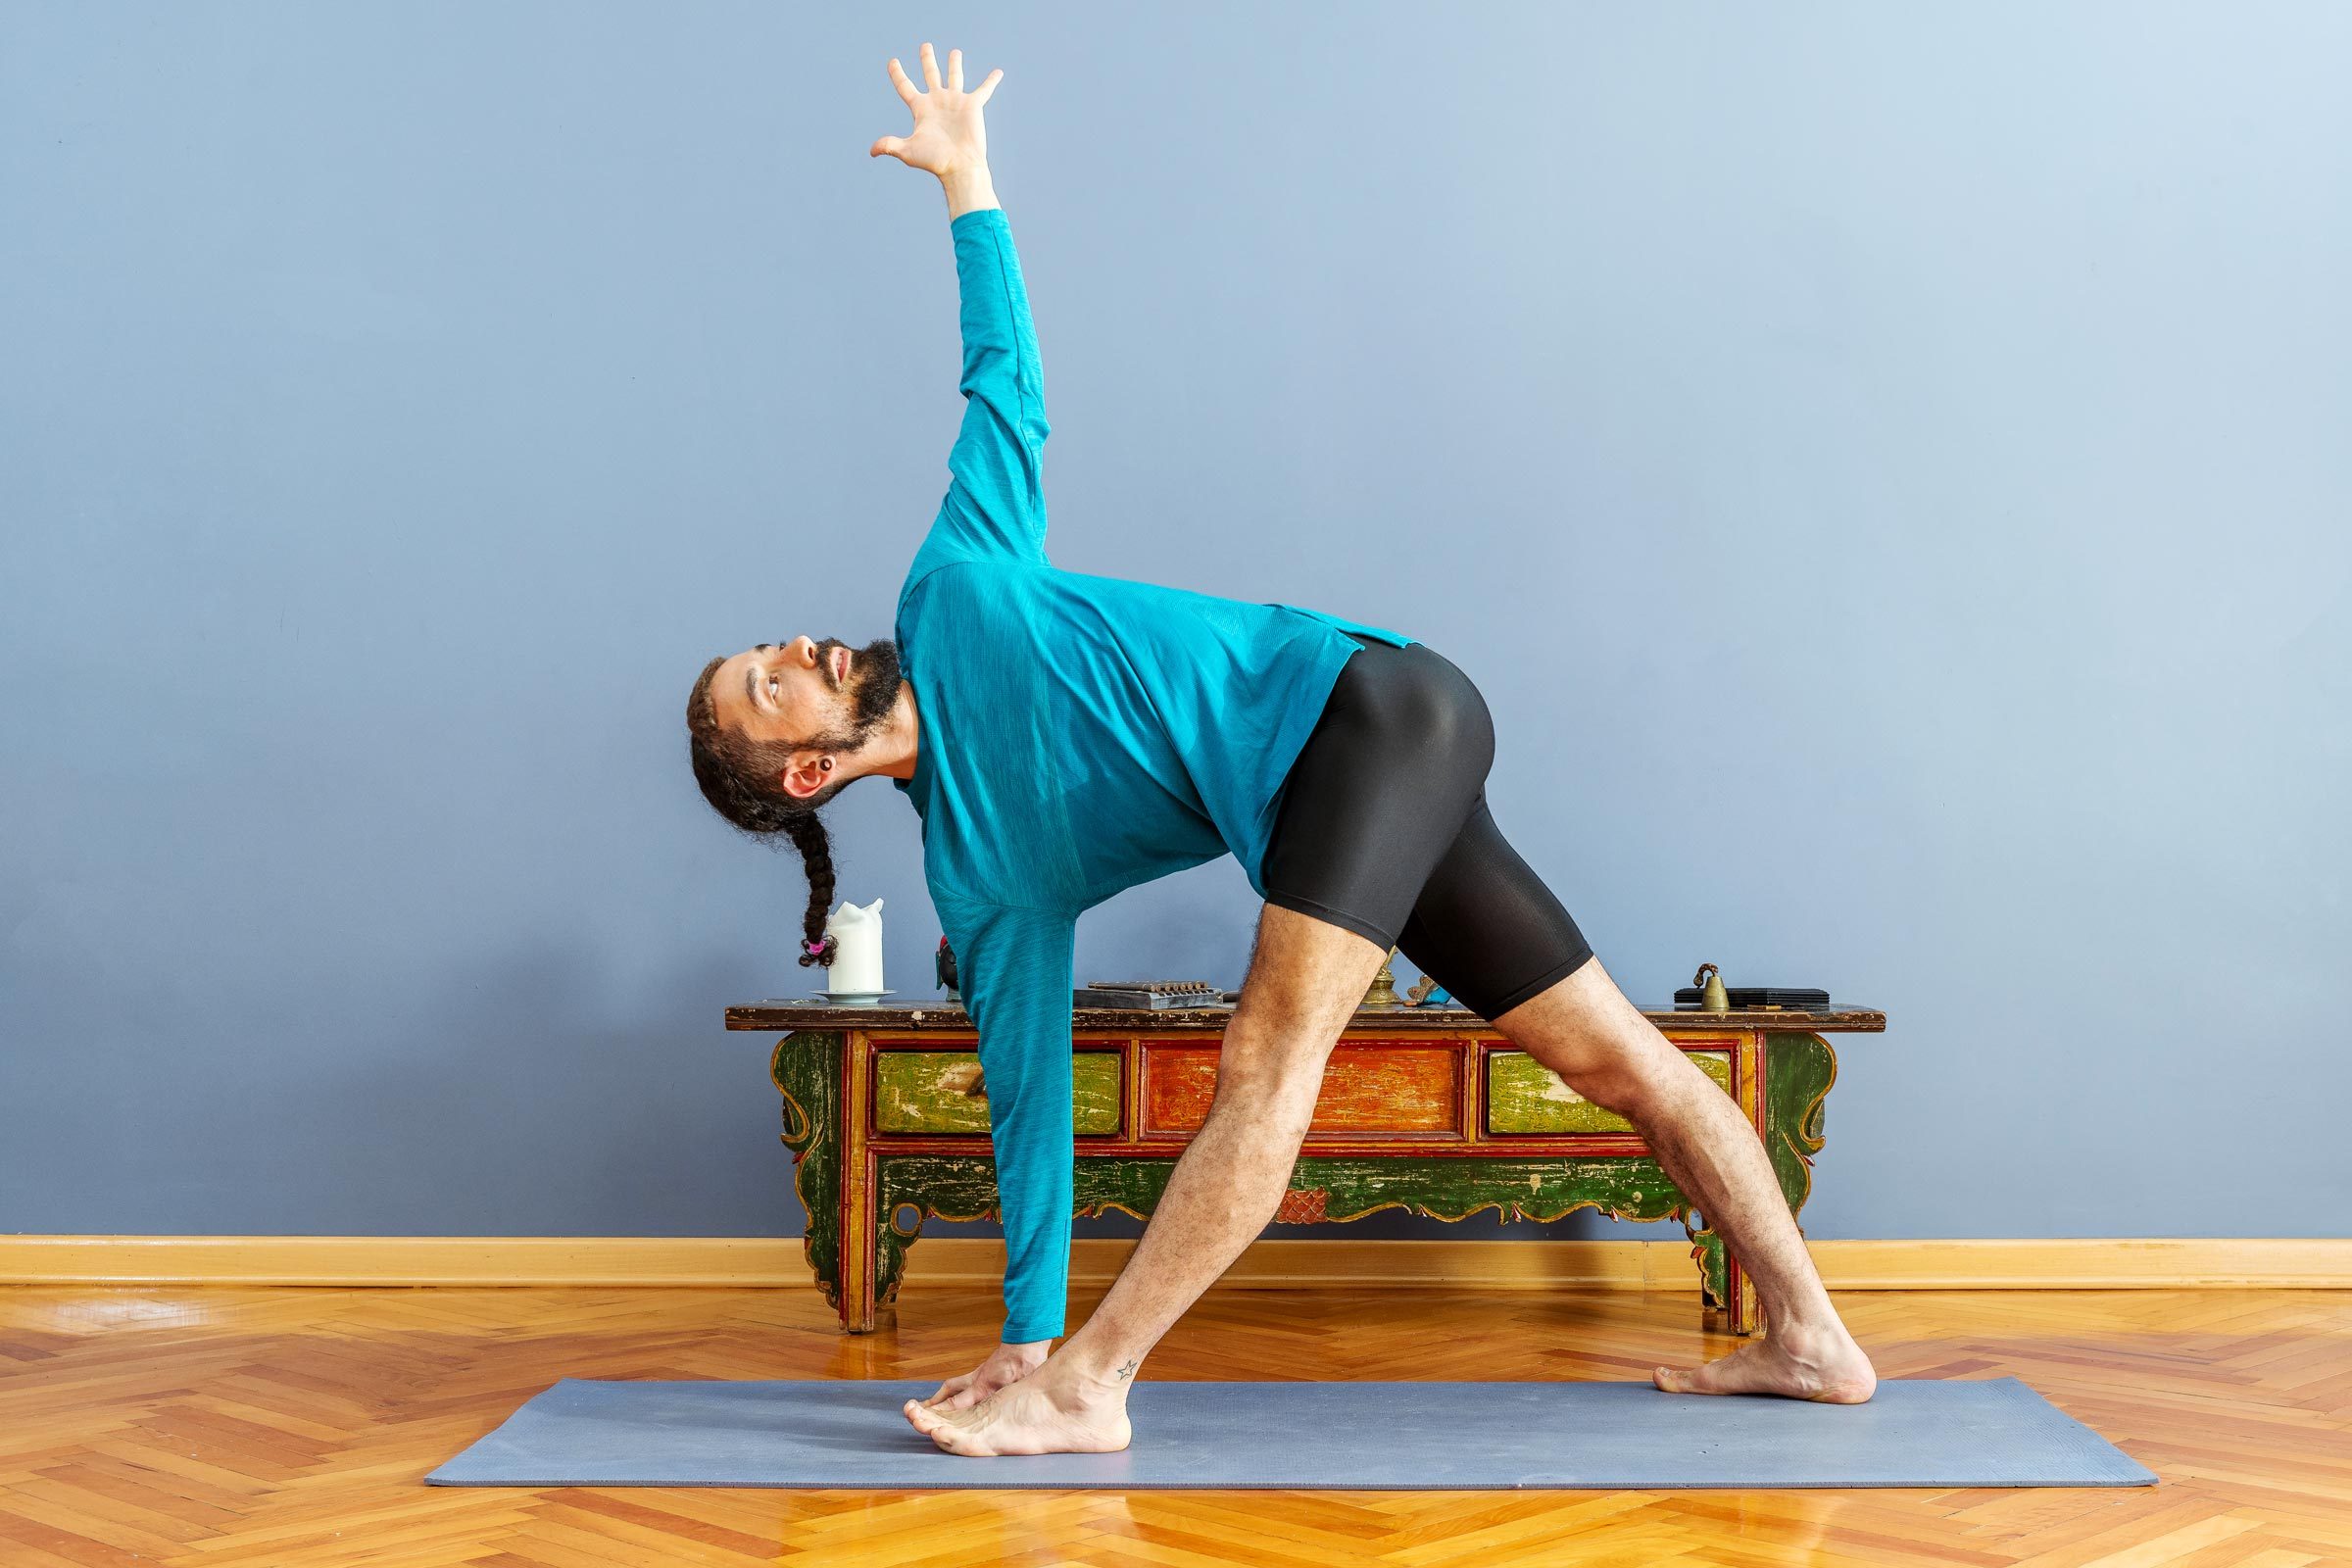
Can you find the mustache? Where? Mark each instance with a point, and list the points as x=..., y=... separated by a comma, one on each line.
x=824, y=654
x=873, y=678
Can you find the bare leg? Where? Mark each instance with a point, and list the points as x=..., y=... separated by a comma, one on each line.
x=1585, y=1030
x=1305, y=979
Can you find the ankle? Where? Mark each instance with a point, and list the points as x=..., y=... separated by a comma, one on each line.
x=1091, y=1380
x=1812, y=1332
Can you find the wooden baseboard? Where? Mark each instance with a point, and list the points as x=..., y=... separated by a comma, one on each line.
x=2166, y=1262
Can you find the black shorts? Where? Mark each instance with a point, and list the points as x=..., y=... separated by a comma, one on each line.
x=1382, y=828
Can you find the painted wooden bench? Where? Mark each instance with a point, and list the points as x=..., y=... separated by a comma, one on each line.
x=1422, y=1109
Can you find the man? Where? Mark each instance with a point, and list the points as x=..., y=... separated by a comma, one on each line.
x=1063, y=737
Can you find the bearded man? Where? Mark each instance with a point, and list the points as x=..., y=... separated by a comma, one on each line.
x=1063, y=737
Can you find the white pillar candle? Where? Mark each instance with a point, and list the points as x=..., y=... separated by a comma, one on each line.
x=858, y=959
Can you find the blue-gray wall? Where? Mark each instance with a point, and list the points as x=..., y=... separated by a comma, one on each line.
x=1888, y=468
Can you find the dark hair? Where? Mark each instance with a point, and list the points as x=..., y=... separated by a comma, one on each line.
x=738, y=777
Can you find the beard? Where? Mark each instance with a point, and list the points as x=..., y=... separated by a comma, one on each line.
x=871, y=692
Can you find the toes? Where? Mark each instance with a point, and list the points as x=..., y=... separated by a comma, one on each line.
x=949, y=1435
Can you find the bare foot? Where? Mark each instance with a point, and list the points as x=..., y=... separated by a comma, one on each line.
x=1829, y=1367
x=1035, y=1415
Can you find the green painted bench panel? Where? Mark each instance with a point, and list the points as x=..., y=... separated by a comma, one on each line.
x=1522, y=1096
x=934, y=1092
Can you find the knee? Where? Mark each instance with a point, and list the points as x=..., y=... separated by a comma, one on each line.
x=1645, y=1085
x=1614, y=1086
x=1630, y=1077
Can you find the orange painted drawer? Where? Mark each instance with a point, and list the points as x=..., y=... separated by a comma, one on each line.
x=1366, y=1089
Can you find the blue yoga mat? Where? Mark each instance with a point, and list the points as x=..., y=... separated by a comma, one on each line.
x=1379, y=1436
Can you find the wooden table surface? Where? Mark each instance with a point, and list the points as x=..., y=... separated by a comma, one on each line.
x=942, y=1013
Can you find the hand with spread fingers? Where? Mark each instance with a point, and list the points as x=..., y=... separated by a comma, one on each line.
x=1006, y=1366
x=949, y=138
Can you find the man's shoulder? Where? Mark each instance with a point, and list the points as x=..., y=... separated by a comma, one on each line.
x=957, y=573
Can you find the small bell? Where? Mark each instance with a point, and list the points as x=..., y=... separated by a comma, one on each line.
x=1712, y=998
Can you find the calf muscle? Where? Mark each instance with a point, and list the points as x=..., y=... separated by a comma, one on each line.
x=1306, y=978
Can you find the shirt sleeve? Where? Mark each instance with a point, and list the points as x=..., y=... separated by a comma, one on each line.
x=995, y=501
x=1013, y=967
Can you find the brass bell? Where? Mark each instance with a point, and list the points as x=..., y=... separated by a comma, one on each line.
x=1383, y=992
x=1712, y=998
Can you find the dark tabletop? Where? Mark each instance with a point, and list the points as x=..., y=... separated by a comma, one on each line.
x=940, y=1013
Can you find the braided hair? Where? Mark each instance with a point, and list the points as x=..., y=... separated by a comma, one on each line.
x=737, y=777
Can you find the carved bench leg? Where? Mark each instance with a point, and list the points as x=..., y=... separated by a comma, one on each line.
x=860, y=1295
x=807, y=1070
x=1743, y=1314
x=894, y=1233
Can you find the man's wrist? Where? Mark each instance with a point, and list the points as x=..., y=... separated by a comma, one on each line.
x=1029, y=1350
x=968, y=190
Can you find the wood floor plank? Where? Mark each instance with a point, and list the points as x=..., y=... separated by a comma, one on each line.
x=276, y=1427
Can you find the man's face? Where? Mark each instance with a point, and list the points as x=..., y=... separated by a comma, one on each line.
x=819, y=697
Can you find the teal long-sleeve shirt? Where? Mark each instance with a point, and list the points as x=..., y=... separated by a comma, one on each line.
x=1078, y=735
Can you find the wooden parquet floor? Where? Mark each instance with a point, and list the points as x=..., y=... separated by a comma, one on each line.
x=238, y=1428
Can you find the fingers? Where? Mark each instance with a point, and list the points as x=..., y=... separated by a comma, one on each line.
x=895, y=146
x=958, y=1393
x=931, y=77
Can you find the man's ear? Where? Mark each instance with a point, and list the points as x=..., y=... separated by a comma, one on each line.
x=803, y=777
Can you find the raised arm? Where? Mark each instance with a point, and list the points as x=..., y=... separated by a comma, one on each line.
x=996, y=504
